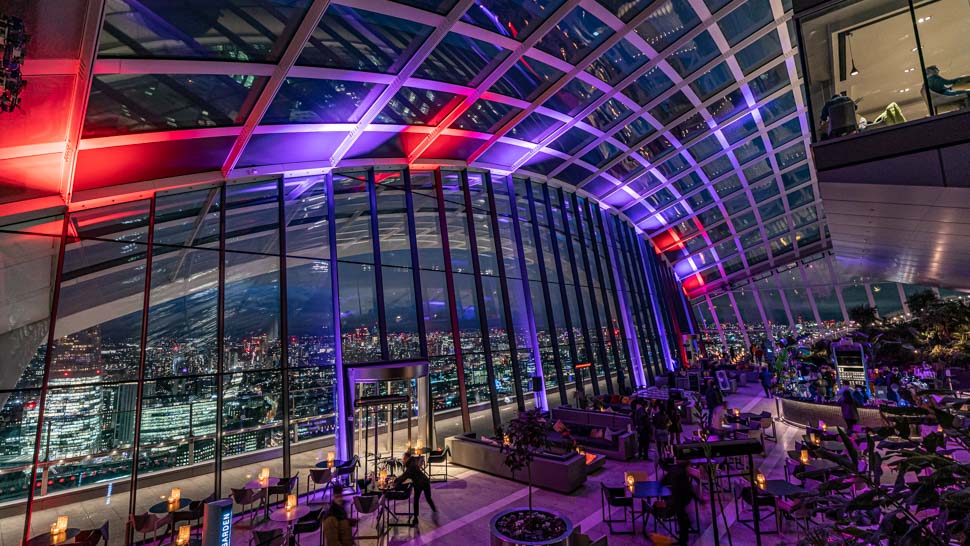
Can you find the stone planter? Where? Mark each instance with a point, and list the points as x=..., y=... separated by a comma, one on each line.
x=499, y=539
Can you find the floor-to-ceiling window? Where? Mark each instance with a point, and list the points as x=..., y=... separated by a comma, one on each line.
x=213, y=312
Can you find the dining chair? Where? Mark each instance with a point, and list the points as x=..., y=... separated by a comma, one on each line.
x=615, y=497
x=399, y=493
x=346, y=473
x=254, y=498
x=438, y=457
x=369, y=503
x=310, y=523
x=149, y=523
x=282, y=489
x=322, y=477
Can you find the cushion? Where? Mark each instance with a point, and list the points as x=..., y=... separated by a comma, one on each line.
x=559, y=426
x=596, y=434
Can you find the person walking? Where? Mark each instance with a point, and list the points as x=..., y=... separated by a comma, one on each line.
x=681, y=495
x=765, y=376
x=419, y=481
x=850, y=410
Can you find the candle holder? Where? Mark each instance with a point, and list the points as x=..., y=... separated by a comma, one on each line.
x=418, y=447
x=263, y=476
x=505, y=440
x=290, y=502
x=760, y=480
x=737, y=412
x=185, y=533
x=630, y=480
x=176, y=494
x=823, y=426
x=62, y=524
x=804, y=456
x=382, y=478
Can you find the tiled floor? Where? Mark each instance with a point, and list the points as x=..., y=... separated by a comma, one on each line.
x=467, y=502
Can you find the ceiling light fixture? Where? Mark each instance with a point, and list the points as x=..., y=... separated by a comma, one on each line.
x=854, y=71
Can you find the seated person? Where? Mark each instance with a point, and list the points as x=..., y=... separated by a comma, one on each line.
x=942, y=86
x=336, y=526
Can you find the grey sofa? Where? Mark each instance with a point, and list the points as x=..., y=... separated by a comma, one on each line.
x=563, y=473
x=622, y=447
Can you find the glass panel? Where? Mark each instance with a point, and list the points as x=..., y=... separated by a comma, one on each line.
x=236, y=30
x=305, y=100
x=667, y=23
x=573, y=97
x=618, y=62
x=649, y=86
x=413, y=106
x=484, y=116
x=460, y=60
x=137, y=103
x=526, y=80
x=515, y=19
x=575, y=36
x=357, y=39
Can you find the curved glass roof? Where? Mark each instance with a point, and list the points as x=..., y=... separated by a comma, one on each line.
x=684, y=115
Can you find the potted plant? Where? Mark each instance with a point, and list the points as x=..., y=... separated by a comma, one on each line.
x=527, y=437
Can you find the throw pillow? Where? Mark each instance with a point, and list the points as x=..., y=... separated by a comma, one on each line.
x=559, y=426
x=596, y=434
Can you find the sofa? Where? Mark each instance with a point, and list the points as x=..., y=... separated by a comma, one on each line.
x=557, y=472
x=618, y=440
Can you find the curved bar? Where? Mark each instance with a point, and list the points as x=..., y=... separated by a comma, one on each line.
x=802, y=413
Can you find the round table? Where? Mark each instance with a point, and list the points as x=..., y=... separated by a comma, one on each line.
x=163, y=506
x=45, y=539
x=289, y=516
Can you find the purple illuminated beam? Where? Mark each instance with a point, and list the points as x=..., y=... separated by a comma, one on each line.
x=412, y=65
x=292, y=53
x=493, y=77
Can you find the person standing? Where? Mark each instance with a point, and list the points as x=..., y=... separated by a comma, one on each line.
x=765, y=376
x=644, y=429
x=419, y=481
x=850, y=410
x=676, y=426
x=714, y=400
x=681, y=495
x=661, y=431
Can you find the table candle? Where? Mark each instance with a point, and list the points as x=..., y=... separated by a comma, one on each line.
x=505, y=439
x=331, y=457
x=263, y=475
x=804, y=456
x=630, y=480
x=176, y=494
x=62, y=524
x=737, y=412
x=290, y=502
x=382, y=479
x=823, y=426
x=418, y=447
x=760, y=479
x=184, y=533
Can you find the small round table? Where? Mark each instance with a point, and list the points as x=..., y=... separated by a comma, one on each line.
x=45, y=539
x=289, y=516
x=163, y=506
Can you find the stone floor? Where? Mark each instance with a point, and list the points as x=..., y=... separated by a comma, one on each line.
x=469, y=499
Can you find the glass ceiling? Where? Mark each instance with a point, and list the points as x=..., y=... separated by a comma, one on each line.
x=685, y=116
